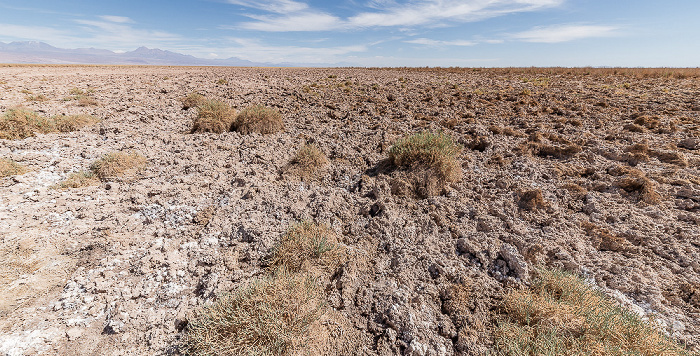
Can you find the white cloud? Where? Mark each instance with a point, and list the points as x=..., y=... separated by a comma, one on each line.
x=306, y=21
x=564, y=33
x=278, y=6
x=116, y=19
x=254, y=50
x=388, y=14
x=429, y=42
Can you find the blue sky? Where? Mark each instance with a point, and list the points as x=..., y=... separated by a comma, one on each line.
x=482, y=33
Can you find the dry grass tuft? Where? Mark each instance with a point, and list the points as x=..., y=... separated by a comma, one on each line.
x=213, y=116
x=87, y=101
x=274, y=315
x=192, y=100
x=259, y=119
x=9, y=167
x=308, y=247
x=117, y=164
x=78, y=180
x=73, y=122
x=562, y=315
x=19, y=123
x=308, y=161
x=432, y=157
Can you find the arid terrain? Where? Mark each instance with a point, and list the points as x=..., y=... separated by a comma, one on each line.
x=596, y=172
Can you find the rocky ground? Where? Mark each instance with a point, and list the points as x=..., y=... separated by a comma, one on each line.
x=596, y=174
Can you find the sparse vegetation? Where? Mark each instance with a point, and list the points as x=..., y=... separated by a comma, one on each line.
x=213, y=116
x=432, y=157
x=117, y=164
x=78, y=180
x=277, y=314
x=222, y=81
x=20, y=123
x=309, y=160
x=258, y=119
x=70, y=123
x=192, y=100
x=562, y=315
x=110, y=166
x=274, y=315
x=9, y=167
x=307, y=247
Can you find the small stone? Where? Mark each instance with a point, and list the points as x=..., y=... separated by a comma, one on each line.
x=516, y=261
x=415, y=348
x=74, y=333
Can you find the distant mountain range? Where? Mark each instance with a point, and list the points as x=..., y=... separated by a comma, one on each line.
x=42, y=53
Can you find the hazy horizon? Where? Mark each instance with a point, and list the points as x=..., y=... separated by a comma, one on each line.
x=387, y=33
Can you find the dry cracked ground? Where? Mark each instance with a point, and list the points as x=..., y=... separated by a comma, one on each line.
x=593, y=172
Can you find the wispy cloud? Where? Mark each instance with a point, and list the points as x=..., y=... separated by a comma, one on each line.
x=277, y=6
x=255, y=50
x=108, y=32
x=116, y=19
x=565, y=33
x=437, y=43
x=388, y=13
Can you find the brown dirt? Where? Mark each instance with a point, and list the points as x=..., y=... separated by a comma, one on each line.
x=118, y=267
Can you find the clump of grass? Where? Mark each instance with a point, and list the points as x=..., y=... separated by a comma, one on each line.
x=274, y=315
x=19, y=123
x=307, y=247
x=213, y=116
x=117, y=164
x=70, y=123
x=432, y=152
x=110, y=166
x=562, y=315
x=78, y=180
x=259, y=119
x=87, y=101
x=39, y=97
x=222, y=81
x=192, y=100
x=9, y=167
x=309, y=160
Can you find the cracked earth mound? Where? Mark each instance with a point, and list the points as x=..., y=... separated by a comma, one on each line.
x=593, y=173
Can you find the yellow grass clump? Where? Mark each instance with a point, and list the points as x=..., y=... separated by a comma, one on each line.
x=192, y=100
x=9, y=167
x=560, y=314
x=258, y=119
x=307, y=247
x=309, y=160
x=78, y=180
x=274, y=315
x=117, y=164
x=213, y=116
x=19, y=123
x=431, y=156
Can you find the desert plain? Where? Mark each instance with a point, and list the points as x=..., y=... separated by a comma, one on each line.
x=591, y=171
